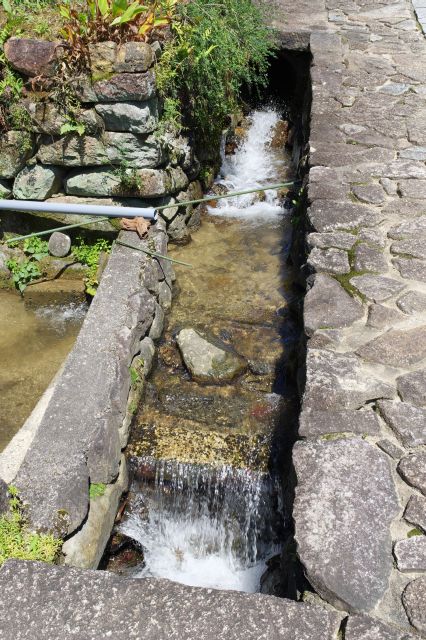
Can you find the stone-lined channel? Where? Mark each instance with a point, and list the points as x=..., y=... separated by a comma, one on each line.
x=205, y=502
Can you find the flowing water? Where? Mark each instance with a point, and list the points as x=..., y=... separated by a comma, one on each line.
x=205, y=500
x=33, y=344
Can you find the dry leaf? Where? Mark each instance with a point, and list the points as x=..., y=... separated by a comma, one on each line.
x=140, y=225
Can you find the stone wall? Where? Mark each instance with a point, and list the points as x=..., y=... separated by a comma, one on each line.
x=360, y=461
x=121, y=151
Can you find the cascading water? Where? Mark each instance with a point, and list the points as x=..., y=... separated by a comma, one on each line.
x=205, y=526
x=205, y=503
x=254, y=165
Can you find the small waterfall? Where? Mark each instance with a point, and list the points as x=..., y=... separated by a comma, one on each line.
x=202, y=525
x=253, y=165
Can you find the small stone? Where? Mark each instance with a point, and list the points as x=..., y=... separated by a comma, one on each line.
x=396, y=348
x=147, y=352
x=345, y=503
x=16, y=147
x=411, y=228
x=206, y=361
x=59, y=244
x=415, y=512
x=336, y=381
x=338, y=240
x=32, y=57
x=37, y=182
x=412, y=302
x=390, y=448
x=413, y=153
x=414, y=247
x=413, y=189
x=401, y=169
x=371, y=194
x=411, y=269
x=129, y=117
x=126, y=87
x=377, y=288
x=330, y=260
x=413, y=599
x=327, y=304
x=413, y=469
x=158, y=323
x=390, y=186
x=407, y=421
x=410, y=554
x=362, y=627
x=369, y=259
x=165, y=295
x=381, y=317
x=412, y=387
x=373, y=236
x=134, y=57
x=394, y=88
x=316, y=423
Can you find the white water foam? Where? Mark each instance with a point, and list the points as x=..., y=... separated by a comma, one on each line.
x=253, y=165
x=59, y=316
x=204, y=526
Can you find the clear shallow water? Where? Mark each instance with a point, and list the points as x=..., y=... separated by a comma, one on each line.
x=33, y=345
x=203, y=504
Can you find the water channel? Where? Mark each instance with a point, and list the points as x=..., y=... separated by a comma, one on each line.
x=205, y=503
x=33, y=344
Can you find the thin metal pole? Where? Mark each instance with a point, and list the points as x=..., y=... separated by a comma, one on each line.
x=233, y=194
x=49, y=231
x=154, y=254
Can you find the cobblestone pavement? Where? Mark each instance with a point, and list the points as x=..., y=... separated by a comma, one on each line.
x=360, y=508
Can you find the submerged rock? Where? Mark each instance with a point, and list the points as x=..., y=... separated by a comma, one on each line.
x=206, y=361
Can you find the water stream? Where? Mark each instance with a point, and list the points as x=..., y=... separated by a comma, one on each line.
x=33, y=344
x=205, y=502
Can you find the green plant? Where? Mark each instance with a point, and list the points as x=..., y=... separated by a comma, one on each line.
x=414, y=532
x=134, y=376
x=23, y=272
x=72, y=126
x=96, y=490
x=218, y=46
x=89, y=254
x=36, y=248
x=130, y=180
x=117, y=20
x=18, y=541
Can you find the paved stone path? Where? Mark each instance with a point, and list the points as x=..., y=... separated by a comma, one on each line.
x=361, y=467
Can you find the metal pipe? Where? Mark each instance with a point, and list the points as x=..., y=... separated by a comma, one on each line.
x=79, y=209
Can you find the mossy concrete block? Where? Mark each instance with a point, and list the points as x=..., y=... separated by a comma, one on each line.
x=37, y=182
x=345, y=503
x=80, y=428
x=86, y=547
x=106, y=605
x=16, y=147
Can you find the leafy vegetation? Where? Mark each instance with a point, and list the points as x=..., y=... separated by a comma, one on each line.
x=96, y=490
x=25, y=270
x=89, y=255
x=18, y=541
x=217, y=48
